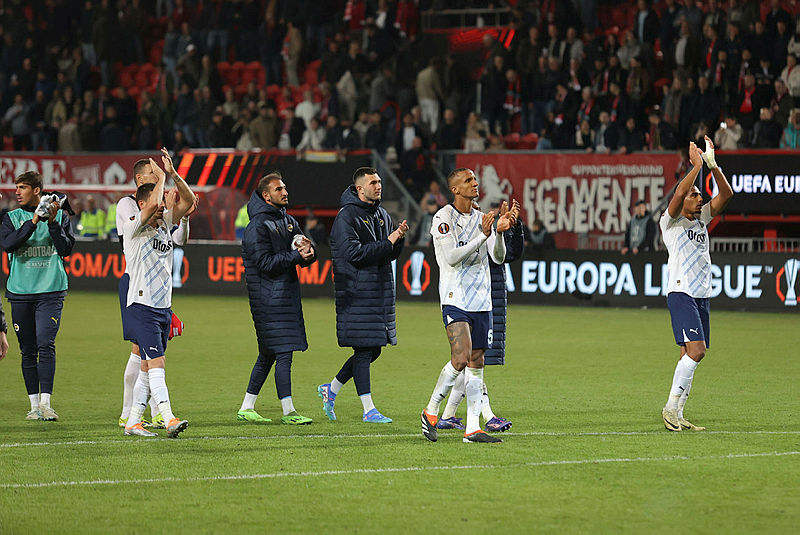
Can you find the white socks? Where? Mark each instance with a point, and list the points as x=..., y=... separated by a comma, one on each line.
x=249, y=401
x=158, y=389
x=44, y=400
x=474, y=390
x=486, y=409
x=286, y=405
x=141, y=391
x=132, y=369
x=456, y=397
x=34, y=401
x=336, y=386
x=681, y=381
x=447, y=378
x=366, y=401
x=682, y=401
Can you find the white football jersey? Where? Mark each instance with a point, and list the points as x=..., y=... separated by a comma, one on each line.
x=462, y=252
x=689, y=262
x=148, y=254
x=127, y=208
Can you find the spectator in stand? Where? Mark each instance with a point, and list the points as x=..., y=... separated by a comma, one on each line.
x=556, y=48
x=362, y=125
x=429, y=92
x=332, y=133
x=220, y=130
x=540, y=239
x=240, y=132
x=430, y=203
x=791, y=134
x=313, y=137
x=606, y=137
x=645, y=23
x=693, y=16
x=36, y=121
x=264, y=128
x=687, y=49
x=767, y=131
x=661, y=136
x=349, y=138
x=782, y=104
x=641, y=232
x=671, y=103
x=190, y=63
x=307, y=109
x=230, y=107
x=217, y=17
x=375, y=136
x=747, y=104
x=630, y=49
x=494, y=87
x=476, y=134
x=292, y=50
x=449, y=138
x=618, y=107
x=710, y=51
x=415, y=168
x=729, y=134
x=292, y=128
x=113, y=137
x=87, y=130
x=187, y=114
x=382, y=88
x=68, y=137
x=791, y=77
x=16, y=119
x=775, y=16
x=573, y=46
x=584, y=137
x=210, y=78
x=631, y=139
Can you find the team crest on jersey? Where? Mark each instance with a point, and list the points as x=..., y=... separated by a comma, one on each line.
x=133, y=217
x=444, y=228
x=16, y=327
x=290, y=227
x=381, y=222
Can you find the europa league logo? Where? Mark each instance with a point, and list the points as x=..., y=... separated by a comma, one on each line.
x=790, y=268
x=417, y=259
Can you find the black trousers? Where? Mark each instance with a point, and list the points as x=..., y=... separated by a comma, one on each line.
x=357, y=367
x=36, y=323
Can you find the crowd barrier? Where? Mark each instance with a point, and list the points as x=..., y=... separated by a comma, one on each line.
x=573, y=278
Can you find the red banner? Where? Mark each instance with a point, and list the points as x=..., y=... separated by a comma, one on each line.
x=574, y=193
x=103, y=169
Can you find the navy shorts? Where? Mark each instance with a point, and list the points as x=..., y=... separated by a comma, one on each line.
x=689, y=318
x=124, y=281
x=150, y=327
x=480, y=324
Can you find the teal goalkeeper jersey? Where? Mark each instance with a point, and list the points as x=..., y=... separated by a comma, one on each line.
x=35, y=267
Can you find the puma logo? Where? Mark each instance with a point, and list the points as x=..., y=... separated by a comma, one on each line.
x=693, y=331
x=54, y=320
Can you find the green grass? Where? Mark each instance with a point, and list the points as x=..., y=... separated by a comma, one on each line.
x=581, y=385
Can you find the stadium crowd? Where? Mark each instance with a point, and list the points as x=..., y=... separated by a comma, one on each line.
x=610, y=77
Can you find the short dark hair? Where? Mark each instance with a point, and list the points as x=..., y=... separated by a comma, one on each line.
x=31, y=178
x=363, y=171
x=454, y=173
x=265, y=180
x=139, y=165
x=143, y=192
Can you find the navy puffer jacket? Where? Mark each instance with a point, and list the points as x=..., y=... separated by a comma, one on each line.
x=362, y=273
x=514, y=245
x=271, y=276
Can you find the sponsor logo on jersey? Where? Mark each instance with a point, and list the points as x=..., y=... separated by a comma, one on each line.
x=444, y=228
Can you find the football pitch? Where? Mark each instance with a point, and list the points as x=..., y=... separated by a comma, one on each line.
x=587, y=452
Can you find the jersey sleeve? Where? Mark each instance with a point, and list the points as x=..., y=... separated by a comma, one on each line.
x=666, y=221
x=131, y=227
x=705, y=213
x=445, y=241
x=126, y=209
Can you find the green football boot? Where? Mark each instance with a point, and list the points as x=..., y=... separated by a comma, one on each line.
x=250, y=415
x=295, y=419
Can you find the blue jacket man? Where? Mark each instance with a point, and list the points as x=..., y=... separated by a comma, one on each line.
x=272, y=248
x=37, y=285
x=363, y=247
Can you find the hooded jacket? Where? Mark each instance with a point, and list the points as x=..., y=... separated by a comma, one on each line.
x=271, y=277
x=514, y=246
x=363, y=276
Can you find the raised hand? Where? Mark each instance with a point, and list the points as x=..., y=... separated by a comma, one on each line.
x=695, y=155
x=486, y=222
x=166, y=159
x=170, y=199
x=160, y=175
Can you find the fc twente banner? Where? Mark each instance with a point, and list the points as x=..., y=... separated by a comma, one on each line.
x=97, y=168
x=765, y=281
x=576, y=194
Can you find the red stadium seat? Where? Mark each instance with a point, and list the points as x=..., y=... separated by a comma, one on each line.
x=124, y=79
x=273, y=91
x=511, y=140
x=142, y=79
x=529, y=141
x=247, y=76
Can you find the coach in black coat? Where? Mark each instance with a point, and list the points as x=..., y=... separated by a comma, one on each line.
x=272, y=247
x=363, y=246
x=514, y=246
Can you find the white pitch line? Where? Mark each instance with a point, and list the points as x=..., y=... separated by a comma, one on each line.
x=274, y=475
x=384, y=435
